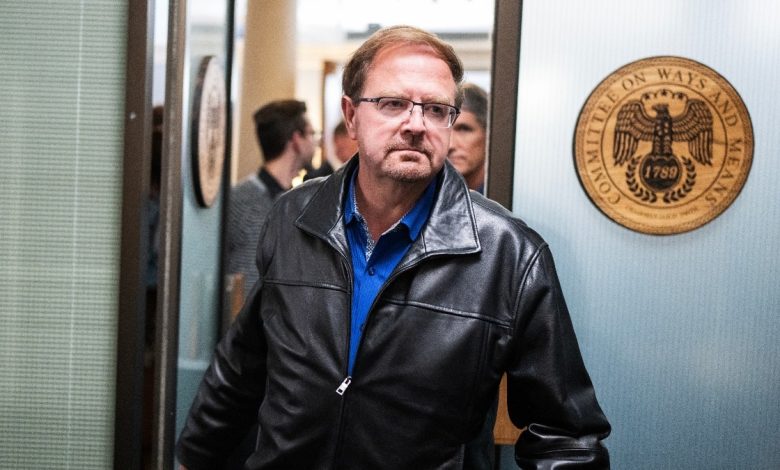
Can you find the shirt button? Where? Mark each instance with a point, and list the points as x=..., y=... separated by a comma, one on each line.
x=371, y=271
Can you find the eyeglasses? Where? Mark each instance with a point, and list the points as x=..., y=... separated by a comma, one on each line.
x=436, y=114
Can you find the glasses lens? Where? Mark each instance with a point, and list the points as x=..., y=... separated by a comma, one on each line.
x=392, y=107
x=437, y=114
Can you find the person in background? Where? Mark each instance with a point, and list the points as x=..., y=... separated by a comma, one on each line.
x=344, y=147
x=153, y=225
x=469, y=137
x=152, y=214
x=392, y=300
x=286, y=138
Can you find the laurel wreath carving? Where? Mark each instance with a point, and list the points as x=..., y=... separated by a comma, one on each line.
x=638, y=190
x=690, y=179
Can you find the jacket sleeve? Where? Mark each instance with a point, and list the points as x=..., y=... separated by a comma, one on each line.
x=227, y=401
x=549, y=392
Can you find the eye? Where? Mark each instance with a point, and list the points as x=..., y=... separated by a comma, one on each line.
x=436, y=110
x=393, y=104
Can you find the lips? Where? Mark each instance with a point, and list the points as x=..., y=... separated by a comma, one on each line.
x=411, y=155
x=409, y=152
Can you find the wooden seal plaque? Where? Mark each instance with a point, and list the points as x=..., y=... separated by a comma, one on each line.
x=208, y=130
x=663, y=145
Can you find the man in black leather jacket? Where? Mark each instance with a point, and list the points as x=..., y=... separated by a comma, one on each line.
x=391, y=301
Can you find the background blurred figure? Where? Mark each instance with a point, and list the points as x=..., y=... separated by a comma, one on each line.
x=153, y=248
x=287, y=139
x=469, y=137
x=344, y=147
x=153, y=223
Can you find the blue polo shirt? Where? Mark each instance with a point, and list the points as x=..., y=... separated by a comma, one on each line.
x=372, y=262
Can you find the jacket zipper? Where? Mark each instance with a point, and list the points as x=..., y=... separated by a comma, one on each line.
x=343, y=387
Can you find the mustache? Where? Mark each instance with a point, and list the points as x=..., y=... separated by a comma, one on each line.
x=401, y=146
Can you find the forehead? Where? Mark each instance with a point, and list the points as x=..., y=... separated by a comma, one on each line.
x=410, y=70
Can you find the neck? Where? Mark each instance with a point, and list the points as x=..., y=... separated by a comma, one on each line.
x=382, y=205
x=283, y=169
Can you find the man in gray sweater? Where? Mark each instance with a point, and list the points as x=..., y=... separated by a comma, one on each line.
x=288, y=142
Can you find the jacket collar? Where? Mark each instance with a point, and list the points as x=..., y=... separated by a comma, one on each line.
x=451, y=227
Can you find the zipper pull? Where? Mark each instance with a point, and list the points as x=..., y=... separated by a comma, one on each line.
x=343, y=387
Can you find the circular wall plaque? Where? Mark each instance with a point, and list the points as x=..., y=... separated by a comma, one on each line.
x=208, y=130
x=663, y=145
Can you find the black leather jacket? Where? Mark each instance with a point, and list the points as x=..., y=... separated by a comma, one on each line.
x=475, y=296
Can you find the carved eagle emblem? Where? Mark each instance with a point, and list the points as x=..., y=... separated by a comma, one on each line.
x=661, y=171
x=634, y=124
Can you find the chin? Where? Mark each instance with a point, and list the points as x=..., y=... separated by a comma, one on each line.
x=406, y=173
x=410, y=176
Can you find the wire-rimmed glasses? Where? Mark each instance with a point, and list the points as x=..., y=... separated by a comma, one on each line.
x=436, y=114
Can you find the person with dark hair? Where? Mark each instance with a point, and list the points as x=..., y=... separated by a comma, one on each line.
x=392, y=300
x=469, y=137
x=286, y=138
x=344, y=148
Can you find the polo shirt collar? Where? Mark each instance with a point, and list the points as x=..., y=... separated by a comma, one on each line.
x=414, y=220
x=451, y=227
x=273, y=186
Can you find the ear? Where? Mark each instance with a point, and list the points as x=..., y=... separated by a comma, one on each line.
x=348, y=110
x=295, y=141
